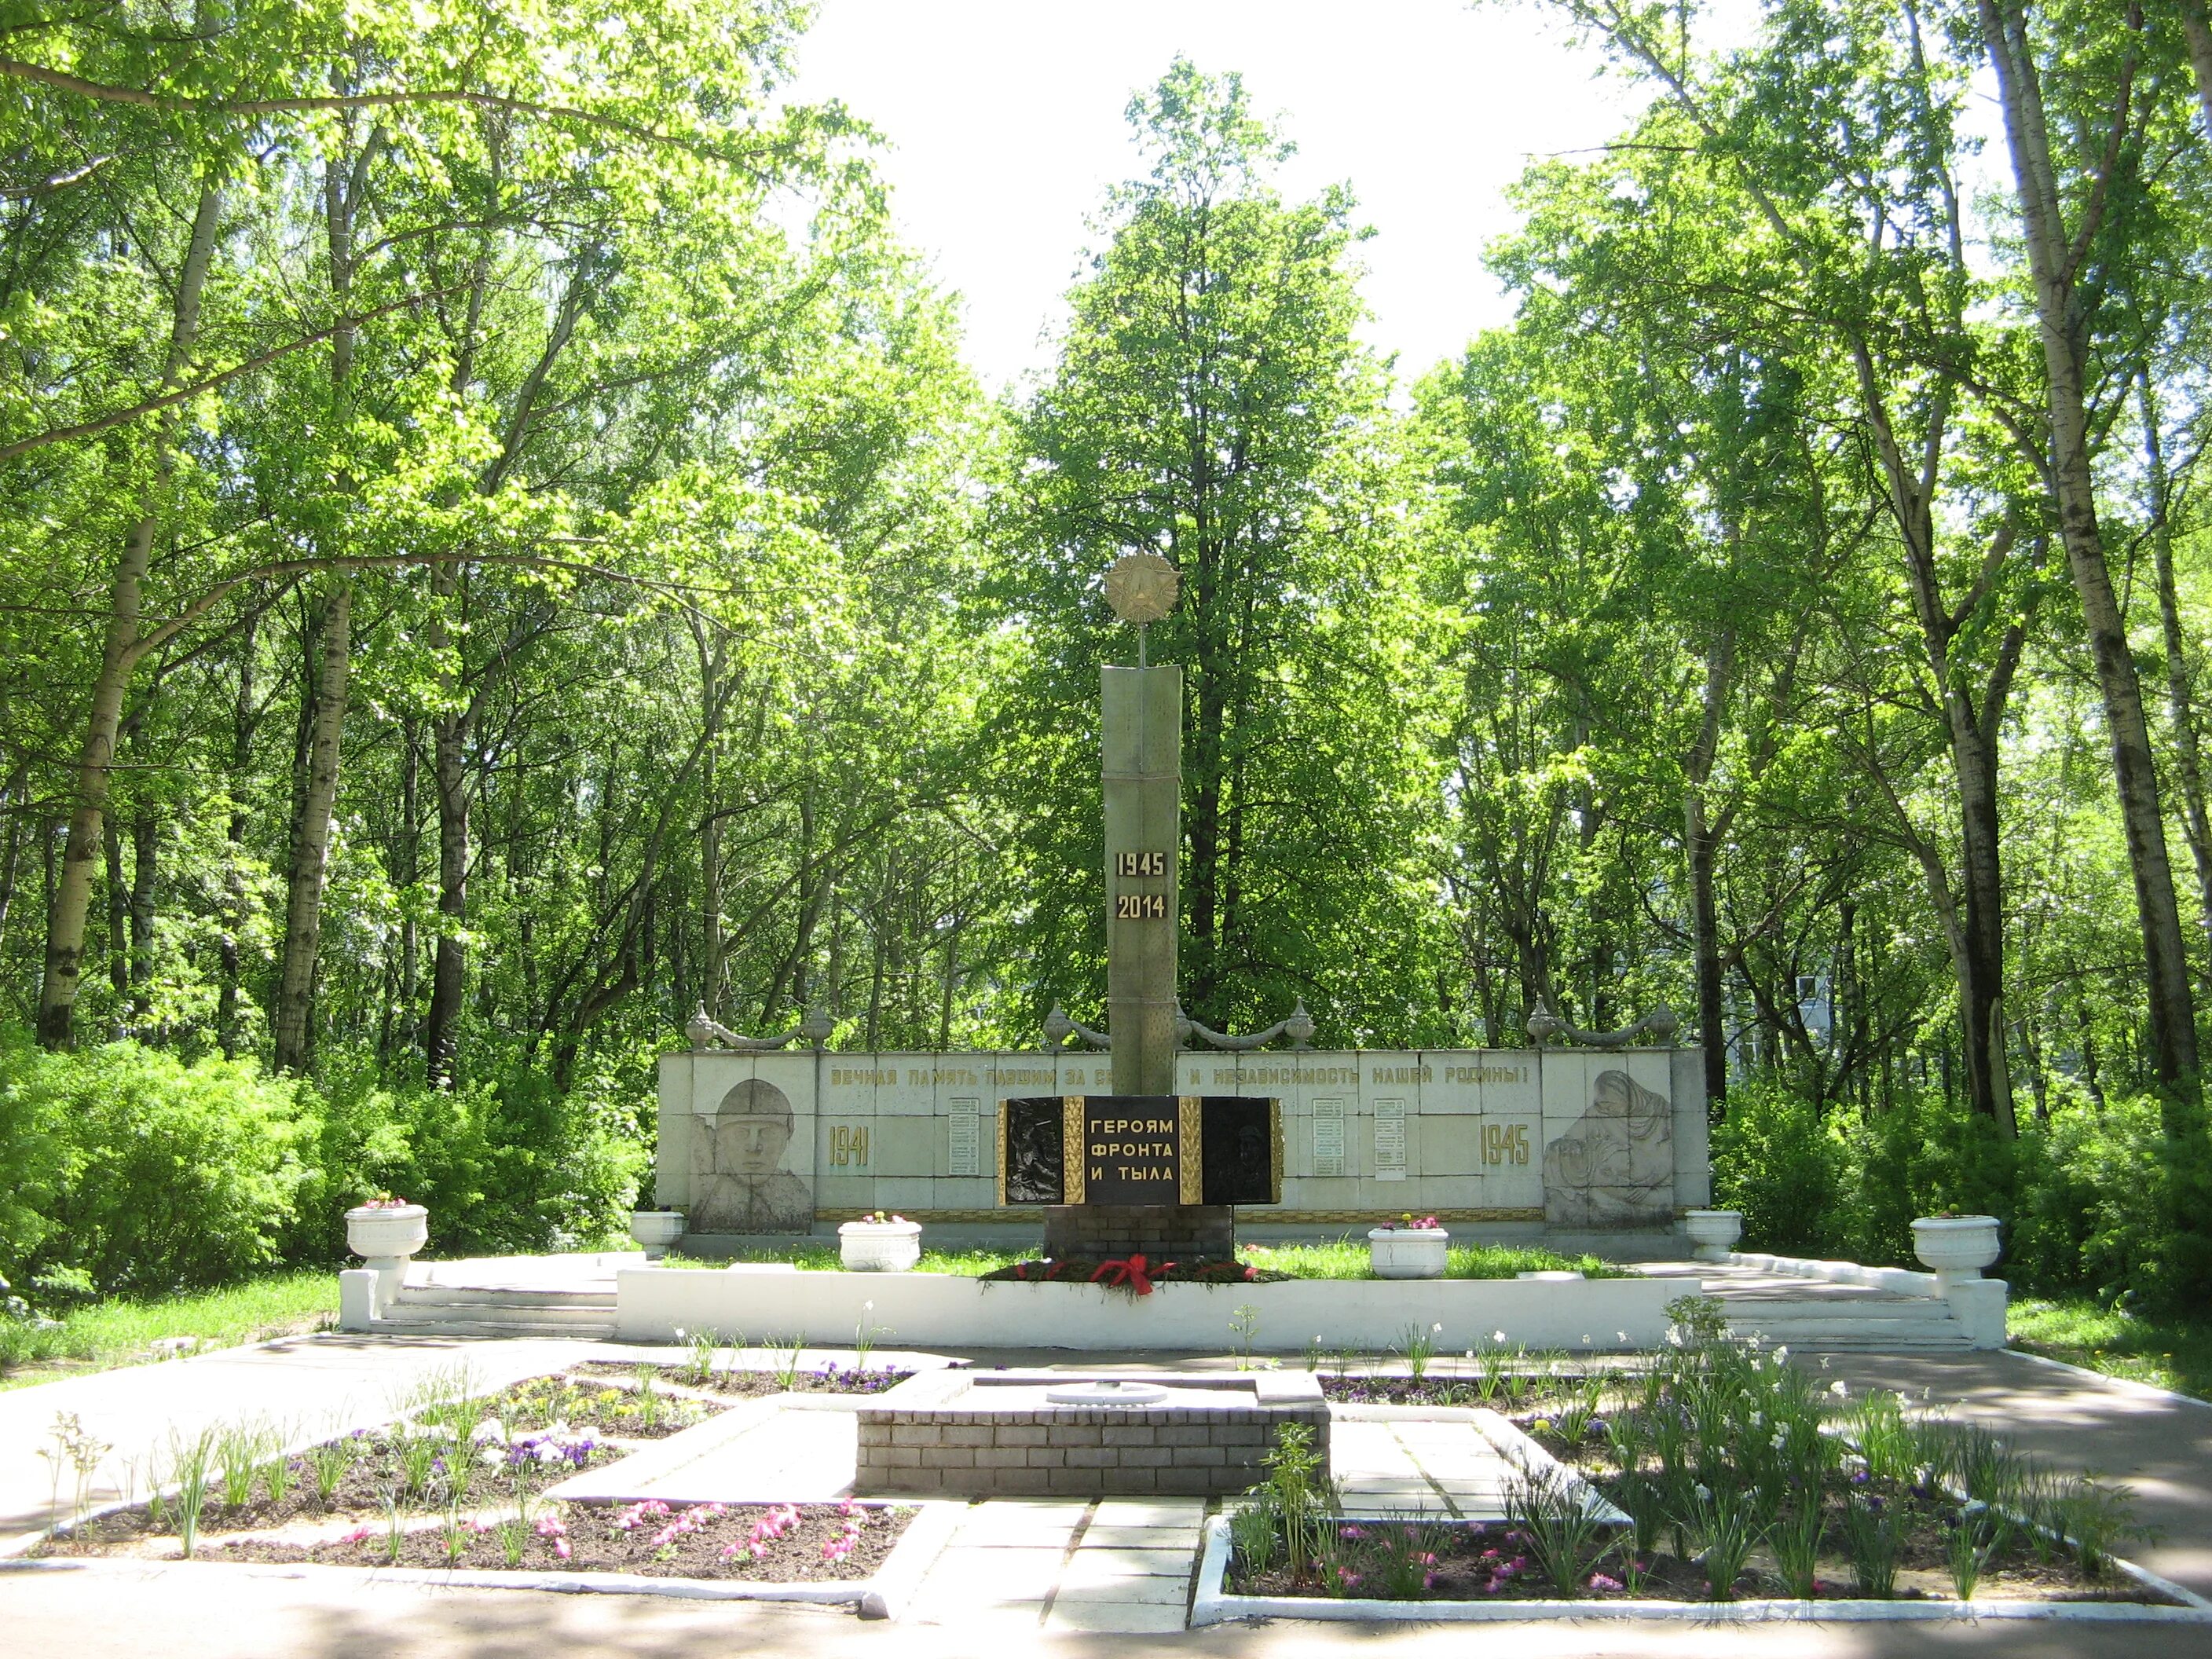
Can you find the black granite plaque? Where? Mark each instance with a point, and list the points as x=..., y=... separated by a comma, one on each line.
x=1132, y=1149
x=1237, y=1139
x=1032, y=1167
x=1141, y=1150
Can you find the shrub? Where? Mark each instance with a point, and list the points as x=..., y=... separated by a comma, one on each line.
x=144, y=1174
x=1777, y=1163
x=504, y=1163
x=2095, y=1200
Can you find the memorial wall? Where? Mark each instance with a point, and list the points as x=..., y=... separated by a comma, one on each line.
x=1581, y=1140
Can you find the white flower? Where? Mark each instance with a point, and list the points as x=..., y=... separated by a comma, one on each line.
x=1437, y=1329
x=679, y=1333
x=1838, y=1389
x=1781, y=1354
x=489, y=1432
x=1621, y=1337
x=1704, y=1493
x=1673, y=1336
x=1586, y=1338
x=1759, y=1419
x=1470, y=1353
x=1498, y=1336
x=867, y=1306
x=1781, y=1437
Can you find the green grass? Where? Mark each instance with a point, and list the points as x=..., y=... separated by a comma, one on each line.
x=1343, y=1258
x=122, y=1330
x=2169, y=1353
x=1346, y=1258
x=823, y=1258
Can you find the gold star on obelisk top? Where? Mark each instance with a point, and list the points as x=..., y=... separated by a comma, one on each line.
x=1141, y=588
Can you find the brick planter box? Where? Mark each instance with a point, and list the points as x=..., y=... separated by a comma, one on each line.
x=993, y=1435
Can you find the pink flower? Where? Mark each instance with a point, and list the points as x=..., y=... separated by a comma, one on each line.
x=561, y=1548
x=1600, y=1581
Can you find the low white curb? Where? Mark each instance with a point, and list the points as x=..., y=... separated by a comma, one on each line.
x=1215, y=1606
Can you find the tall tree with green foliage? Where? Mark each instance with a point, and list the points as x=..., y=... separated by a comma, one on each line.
x=1212, y=404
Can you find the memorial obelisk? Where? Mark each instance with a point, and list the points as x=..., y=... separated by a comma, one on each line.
x=1140, y=774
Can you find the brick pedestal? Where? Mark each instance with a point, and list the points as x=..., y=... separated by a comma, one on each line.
x=942, y=1434
x=1162, y=1233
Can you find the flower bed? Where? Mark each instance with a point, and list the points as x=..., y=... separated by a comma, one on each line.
x=1135, y=1274
x=748, y=1384
x=780, y=1543
x=456, y=1452
x=1740, y=1476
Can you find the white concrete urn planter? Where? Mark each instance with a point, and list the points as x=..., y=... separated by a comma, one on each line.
x=1408, y=1252
x=1955, y=1247
x=384, y=1235
x=893, y=1246
x=656, y=1231
x=1714, y=1232
x=378, y=1233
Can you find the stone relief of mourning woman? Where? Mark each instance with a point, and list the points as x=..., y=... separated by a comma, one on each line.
x=738, y=1184
x=1614, y=1167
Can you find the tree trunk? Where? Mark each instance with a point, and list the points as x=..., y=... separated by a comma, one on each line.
x=344, y=182
x=11, y=798
x=1700, y=841
x=2053, y=264
x=411, y=853
x=2181, y=712
x=311, y=834
x=145, y=894
x=449, y=964
x=120, y=651
x=118, y=913
x=244, y=717
x=2197, y=30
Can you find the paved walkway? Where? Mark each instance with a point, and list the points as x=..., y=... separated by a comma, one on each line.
x=202, y=1612
x=2159, y=1444
x=1016, y=1567
x=1055, y=1577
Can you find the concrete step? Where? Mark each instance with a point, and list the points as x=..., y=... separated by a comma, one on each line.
x=441, y=1295
x=505, y=1326
x=1924, y=1326
x=551, y=1316
x=1905, y=1309
x=1890, y=1345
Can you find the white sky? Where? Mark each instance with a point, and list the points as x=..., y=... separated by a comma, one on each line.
x=1004, y=128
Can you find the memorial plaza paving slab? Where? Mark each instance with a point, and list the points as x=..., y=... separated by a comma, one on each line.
x=1109, y=1577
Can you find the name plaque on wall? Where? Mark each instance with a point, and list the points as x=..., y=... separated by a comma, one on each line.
x=1139, y=1149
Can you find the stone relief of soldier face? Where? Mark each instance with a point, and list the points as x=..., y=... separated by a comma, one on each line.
x=752, y=1130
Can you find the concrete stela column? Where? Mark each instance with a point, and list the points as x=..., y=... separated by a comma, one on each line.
x=1141, y=769
x=1140, y=756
